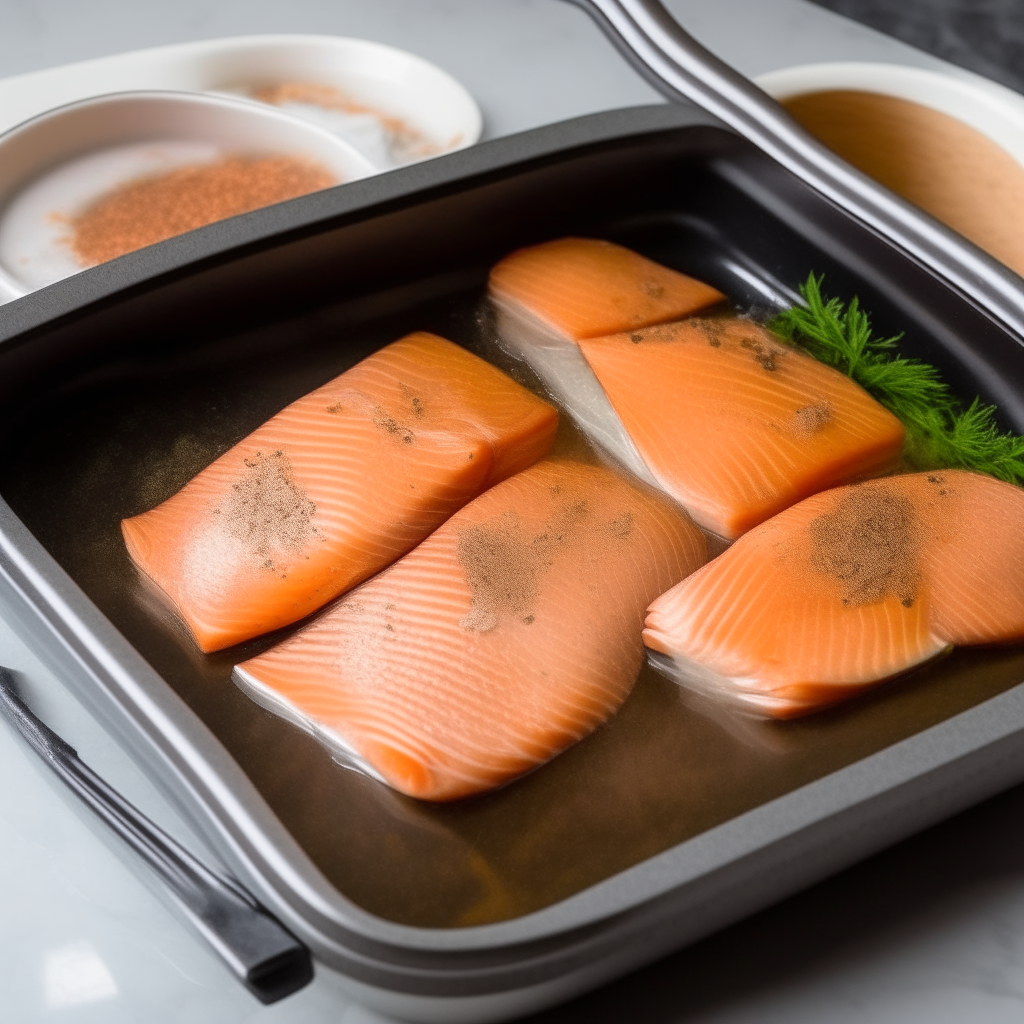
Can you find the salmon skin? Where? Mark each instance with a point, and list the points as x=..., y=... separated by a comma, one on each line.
x=548, y=297
x=336, y=486
x=509, y=634
x=847, y=588
x=735, y=424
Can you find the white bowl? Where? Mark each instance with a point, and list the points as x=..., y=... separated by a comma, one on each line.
x=54, y=165
x=991, y=109
x=970, y=179
x=397, y=83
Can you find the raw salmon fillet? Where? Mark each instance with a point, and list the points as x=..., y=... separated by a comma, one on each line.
x=736, y=425
x=509, y=634
x=585, y=287
x=548, y=297
x=847, y=588
x=336, y=486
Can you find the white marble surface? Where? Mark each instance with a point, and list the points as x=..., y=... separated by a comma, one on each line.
x=932, y=932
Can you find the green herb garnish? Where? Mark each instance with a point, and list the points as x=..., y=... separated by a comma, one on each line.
x=941, y=433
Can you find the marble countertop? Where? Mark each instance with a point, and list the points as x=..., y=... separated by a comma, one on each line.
x=931, y=931
x=986, y=36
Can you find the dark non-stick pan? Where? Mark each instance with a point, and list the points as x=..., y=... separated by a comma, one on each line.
x=117, y=385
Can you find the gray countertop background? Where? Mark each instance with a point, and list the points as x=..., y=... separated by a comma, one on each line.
x=929, y=931
x=986, y=36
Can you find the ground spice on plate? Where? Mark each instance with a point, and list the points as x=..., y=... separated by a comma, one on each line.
x=406, y=142
x=148, y=210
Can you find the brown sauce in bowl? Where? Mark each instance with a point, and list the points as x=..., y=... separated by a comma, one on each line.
x=949, y=169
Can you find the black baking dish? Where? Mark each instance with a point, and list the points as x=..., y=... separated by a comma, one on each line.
x=119, y=384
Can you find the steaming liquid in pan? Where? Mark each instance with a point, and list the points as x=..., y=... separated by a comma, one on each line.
x=944, y=166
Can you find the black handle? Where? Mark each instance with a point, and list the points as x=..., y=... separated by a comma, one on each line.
x=257, y=948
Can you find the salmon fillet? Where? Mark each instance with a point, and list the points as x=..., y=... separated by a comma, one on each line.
x=736, y=425
x=549, y=296
x=585, y=287
x=847, y=588
x=336, y=486
x=509, y=634
x=716, y=411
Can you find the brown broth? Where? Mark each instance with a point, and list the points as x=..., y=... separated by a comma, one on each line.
x=944, y=166
x=665, y=768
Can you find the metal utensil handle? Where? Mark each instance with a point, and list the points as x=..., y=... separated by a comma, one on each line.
x=257, y=948
x=680, y=68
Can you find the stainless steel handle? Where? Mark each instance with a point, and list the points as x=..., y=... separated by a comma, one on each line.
x=258, y=949
x=680, y=68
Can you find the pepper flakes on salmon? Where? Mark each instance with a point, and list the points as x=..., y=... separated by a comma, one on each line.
x=848, y=588
x=510, y=633
x=336, y=486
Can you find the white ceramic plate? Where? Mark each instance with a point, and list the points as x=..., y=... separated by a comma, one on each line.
x=399, y=85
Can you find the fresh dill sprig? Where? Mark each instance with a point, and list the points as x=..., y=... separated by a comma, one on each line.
x=941, y=433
